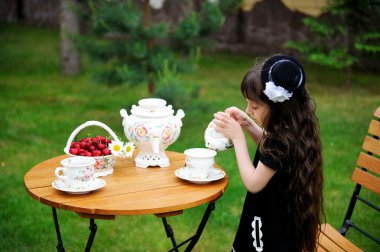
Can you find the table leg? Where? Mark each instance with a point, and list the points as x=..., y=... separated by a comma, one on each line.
x=60, y=247
x=170, y=233
x=193, y=239
x=201, y=226
x=90, y=240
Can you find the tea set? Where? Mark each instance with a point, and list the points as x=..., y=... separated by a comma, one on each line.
x=152, y=127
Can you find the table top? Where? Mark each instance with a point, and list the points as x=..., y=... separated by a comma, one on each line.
x=129, y=190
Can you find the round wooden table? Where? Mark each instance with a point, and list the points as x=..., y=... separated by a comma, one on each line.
x=129, y=191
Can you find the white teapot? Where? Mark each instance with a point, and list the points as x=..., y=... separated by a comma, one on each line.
x=215, y=140
x=152, y=127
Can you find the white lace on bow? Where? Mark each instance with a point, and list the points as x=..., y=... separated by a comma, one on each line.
x=276, y=93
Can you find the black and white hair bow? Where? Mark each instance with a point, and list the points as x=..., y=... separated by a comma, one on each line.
x=281, y=75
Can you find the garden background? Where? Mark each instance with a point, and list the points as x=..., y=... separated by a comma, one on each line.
x=40, y=108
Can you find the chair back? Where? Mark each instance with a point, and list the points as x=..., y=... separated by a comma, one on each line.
x=366, y=174
x=368, y=171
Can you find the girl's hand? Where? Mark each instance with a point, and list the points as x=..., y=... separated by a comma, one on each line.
x=240, y=116
x=246, y=122
x=228, y=126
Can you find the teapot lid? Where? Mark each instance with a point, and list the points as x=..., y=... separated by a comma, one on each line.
x=152, y=107
x=212, y=132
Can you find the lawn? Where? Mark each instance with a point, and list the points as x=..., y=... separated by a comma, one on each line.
x=40, y=108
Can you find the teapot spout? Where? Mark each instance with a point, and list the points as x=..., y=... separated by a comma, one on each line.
x=155, y=142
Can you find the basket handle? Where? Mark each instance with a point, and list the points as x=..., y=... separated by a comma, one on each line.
x=84, y=125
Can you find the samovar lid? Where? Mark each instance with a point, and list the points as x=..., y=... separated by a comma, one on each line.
x=152, y=107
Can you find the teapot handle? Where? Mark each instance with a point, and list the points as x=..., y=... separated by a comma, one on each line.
x=180, y=114
x=84, y=125
x=124, y=115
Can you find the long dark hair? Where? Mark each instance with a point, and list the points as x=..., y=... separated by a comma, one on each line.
x=294, y=123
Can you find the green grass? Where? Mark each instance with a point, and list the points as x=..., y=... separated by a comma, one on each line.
x=39, y=109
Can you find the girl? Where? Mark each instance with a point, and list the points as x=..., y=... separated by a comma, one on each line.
x=283, y=206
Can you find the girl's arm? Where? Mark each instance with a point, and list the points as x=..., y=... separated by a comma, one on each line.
x=254, y=178
x=246, y=122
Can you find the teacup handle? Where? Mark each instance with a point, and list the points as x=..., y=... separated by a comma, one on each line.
x=57, y=170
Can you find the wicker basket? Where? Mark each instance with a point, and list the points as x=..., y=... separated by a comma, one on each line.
x=104, y=164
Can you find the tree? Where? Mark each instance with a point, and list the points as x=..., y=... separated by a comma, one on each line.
x=341, y=39
x=70, y=58
x=126, y=46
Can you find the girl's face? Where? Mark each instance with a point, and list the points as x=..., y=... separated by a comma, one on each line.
x=257, y=110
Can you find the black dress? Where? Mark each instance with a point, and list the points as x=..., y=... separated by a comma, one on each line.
x=263, y=226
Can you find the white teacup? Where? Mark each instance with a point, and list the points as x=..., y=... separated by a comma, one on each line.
x=76, y=170
x=201, y=160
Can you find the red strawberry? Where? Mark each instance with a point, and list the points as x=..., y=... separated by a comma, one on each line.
x=91, y=146
x=74, y=151
x=101, y=146
x=106, y=152
x=96, y=153
x=84, y=145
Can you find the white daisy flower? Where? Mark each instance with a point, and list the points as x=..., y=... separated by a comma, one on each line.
x=129, y=148
x=116, y=148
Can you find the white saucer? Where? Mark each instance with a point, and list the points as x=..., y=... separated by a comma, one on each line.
x=186, y=173
x=95, y=184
